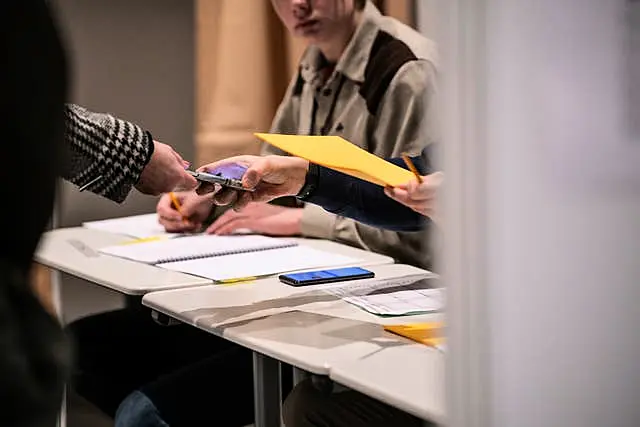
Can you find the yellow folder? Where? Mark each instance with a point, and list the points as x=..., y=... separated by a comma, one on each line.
x=339, y=154
x=430, y=333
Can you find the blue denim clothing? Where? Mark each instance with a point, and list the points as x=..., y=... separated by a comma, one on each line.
x=137, y=410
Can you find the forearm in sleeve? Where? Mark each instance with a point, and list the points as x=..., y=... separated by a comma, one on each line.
x=362, y=201
x=105, y=152
x=367, y=203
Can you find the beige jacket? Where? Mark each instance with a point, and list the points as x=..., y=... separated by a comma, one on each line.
x=380, y=96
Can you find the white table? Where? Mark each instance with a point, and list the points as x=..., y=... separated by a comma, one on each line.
x=303, y=327
x=409, y=377
x=74, y=251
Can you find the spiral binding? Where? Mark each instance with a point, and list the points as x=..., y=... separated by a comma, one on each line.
x=224, y=253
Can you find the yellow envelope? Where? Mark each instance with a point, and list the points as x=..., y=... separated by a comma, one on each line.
x=339, y=154
x=430, y=333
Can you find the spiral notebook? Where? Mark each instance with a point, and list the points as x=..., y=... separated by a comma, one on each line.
x=264, y=263
x=194, y=247
x=223, y=258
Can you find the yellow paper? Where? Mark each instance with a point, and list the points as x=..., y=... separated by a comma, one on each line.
x=430, y=333
x=339, y=154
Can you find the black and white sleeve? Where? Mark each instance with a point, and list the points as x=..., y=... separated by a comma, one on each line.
x=106, y=154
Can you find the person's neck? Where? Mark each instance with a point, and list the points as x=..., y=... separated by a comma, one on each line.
x=334, y=48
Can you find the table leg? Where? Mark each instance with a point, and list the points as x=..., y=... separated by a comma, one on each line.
x=56, y=293
x=299, y=375
x=266, y=391
x=62, y=416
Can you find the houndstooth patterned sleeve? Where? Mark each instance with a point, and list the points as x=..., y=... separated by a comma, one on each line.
x=105, y=152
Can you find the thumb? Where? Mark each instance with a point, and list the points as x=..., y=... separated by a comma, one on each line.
x=186, y=181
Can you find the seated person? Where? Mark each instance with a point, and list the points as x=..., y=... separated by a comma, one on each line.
x=366, y=77
x=271, y=177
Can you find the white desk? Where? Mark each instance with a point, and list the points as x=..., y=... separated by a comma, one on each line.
x=74, y=251
x=304, y=327
x=409, y=377
x=300, y=326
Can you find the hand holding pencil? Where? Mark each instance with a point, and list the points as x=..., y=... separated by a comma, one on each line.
x=183, y=211
x=176, y=204
x=419, y=194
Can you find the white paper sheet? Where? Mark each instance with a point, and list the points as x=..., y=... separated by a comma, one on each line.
x=195, y=248
x=394, y=297
x=259, y=264
x=137, y=227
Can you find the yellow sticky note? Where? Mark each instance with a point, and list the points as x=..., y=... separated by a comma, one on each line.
x=142, y=240
x=337, y=153
x=229, y=282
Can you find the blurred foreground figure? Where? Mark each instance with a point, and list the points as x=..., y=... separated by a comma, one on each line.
x=42, y=139
x=34, y=357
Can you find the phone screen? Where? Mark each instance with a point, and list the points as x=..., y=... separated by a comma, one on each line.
x=326, y=276
x=229, y=170
x=228, y=175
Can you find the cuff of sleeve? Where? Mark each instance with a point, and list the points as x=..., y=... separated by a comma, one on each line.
x=316, y=222
x=150, y=146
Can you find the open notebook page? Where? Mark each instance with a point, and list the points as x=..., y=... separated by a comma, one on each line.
x=194, y=247
x=258, y=264
x=137, y=226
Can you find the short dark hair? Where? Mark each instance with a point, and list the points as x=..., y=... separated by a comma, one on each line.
x=359, y=4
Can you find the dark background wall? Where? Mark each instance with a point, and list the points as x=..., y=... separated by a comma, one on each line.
x=135, y=59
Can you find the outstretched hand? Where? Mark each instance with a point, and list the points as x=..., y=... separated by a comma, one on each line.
x=165, y=172
x=269, y=177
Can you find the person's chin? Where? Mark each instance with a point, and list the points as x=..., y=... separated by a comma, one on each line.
x=314, y=33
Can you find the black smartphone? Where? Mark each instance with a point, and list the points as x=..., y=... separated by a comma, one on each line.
x=229, y=175
x=325, y=276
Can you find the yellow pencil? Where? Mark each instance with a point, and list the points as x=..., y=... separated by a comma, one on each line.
x=176, y=204
x=412, y=167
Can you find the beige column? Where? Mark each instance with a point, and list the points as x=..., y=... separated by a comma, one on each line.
x=244, y=60
x=243, y=63
x=402, y=10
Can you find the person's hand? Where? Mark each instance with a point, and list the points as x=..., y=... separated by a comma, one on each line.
x=421, y=197
x=195, y=208
x=165, y=172
x=269, y=176
x=259, y=218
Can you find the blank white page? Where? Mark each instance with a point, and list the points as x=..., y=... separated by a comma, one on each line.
x=194, y=247
x=137, y=226
x=258, y=264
